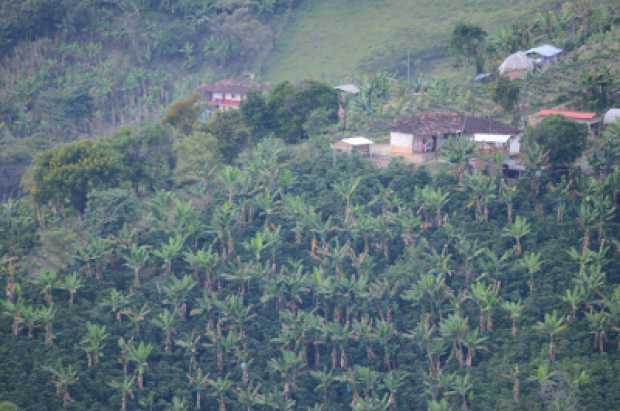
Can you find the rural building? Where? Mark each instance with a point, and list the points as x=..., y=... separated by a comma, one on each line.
x=359, y=145
x=516, y=66
x=588, y=118
x=491, y=135
x=544, y=55
x=612, y=116
x=229, y=93
x=424, y=132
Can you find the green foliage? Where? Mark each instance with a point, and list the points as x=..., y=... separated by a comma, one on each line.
x=506, y=93
x=468, y=40
x=562, y=139
x=231, y=133
x=182, y=114
x=65, y=175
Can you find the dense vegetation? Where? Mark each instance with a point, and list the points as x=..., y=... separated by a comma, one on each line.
x=235, y=262
x=70, y=68
x=294, y=279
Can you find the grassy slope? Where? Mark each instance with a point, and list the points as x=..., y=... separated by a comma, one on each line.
x=333, y=39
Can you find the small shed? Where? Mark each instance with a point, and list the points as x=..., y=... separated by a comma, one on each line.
x=348, y=88
x=360, y=145
x=612, y=116
x=516, y=66
x=592, y=120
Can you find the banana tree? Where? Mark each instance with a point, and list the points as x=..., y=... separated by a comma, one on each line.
x=393, y=381
x=486, y=297
x=45, y=316
x=47, y=281
x=517, y=230
x=552, y=325
x=199, y=382
x=461, y=387
x=125, y=387
x=599, y=323
x=190, y=342
x=136, y=260
x=62, y=378
x=455, y=328
x=72, y=283
x=325, y=379
x=220, y=390
x=93, y=342
x=166, y=321
x=203, y=263
x=139, y=355
x=287, y=367
x=515, y=310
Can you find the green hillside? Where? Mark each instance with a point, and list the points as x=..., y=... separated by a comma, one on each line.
x=333, y=39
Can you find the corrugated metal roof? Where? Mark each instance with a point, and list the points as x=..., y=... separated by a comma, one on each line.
x=348, y=88
x=492, y=138
x=545, y=50
x=357, y=141
x=612, y=116
x=573, y=115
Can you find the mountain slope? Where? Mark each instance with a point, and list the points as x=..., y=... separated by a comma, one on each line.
x=332, y=40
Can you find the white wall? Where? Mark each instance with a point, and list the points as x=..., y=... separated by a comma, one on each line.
x=514, y=146
x=401, y=140
x=217, y=96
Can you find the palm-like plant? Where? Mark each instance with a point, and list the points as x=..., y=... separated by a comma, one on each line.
x=288, y=367
x=221, y=388
x=455, y=328
x=517, y=230
x=486, y=297
x=431, y=201
x=46, y=316
x=199, y=382
x=177, y=291
x=600, y=326
x=117, y=302
x=458, y=151
x=393, y=381
x=125, y=386
x=325, y=379
x=532, y=263
x=139, y=355
x=47, y=281
x=462, y=388
x=93, y=342
x=481, y=190
x=250, y=397
x=136, y=260
x=72, y=283
x=552, y=325
x=515, y=310
x=169, y=251
x=166, y=321
x=190, y=344
x=474, y=343
x=62, y=378
x=137, y=315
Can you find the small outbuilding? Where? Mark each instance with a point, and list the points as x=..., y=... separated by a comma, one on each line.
x=359, y=145
x=592, y=120
x=516, y=66
x=612, y=116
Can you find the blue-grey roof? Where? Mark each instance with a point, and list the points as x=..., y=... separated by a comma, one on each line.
x=546, y=50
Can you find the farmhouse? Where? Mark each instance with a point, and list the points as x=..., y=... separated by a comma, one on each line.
x=229, y=93
x=516, y=66
x=424, y=132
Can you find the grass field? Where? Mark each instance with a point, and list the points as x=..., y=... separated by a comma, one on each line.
x=333, y=40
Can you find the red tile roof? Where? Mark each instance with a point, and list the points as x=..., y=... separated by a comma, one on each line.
x=234, y=86
x=573, y=115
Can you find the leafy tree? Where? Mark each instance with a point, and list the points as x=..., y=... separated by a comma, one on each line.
x=562, y=139
x=65, y=175
x=551, y=326
x=94, y=342
x=62, y=378
x=182, y=114
x=231, y=133
x=468, y=41
x=506, y=94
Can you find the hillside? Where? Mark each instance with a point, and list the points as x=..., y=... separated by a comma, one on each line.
x=335, y=40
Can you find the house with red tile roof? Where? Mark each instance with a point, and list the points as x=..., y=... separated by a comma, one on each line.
x=228, y=94
x=591, y=119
